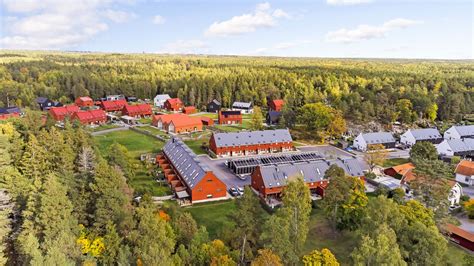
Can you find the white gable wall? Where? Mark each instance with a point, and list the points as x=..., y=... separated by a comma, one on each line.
x=407, y=138
x=444, y=149
x=359, y=143
x=452, y=133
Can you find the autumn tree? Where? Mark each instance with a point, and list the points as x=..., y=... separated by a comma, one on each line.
x=323, y=258
x=256, y=122
x=376, y=155
x=5, y=228
x=119, y=156
x=321, y=120
x=185, y=227
x=266, y=258
x=469, y=207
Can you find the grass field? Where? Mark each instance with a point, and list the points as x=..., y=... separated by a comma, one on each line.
x=135, y=142
x=210, y=115
x=143, y=183
x=395, y=161
x=154, y=131
x=213, y=215
x=103, y=127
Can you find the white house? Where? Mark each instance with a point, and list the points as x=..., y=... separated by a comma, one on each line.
x=425, y=134
x=456, y=147
x=362, y=141
x=160, y=100
x=243, y=107
x=459, y=132
x=465, y=172
x=455, y=194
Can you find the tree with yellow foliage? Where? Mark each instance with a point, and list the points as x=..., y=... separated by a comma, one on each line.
x=376, y=155
x=320, y=258
x=469, y=207
x=266, y=258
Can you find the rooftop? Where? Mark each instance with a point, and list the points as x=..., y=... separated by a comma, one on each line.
x=244, y=138
x=378, y=137
x=425, y=133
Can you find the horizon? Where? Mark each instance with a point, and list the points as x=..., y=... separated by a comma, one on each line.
x=283, y=29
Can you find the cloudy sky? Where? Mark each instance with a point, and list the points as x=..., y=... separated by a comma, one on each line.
x=317, y=28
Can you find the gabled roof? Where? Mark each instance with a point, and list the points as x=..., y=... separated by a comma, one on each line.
x=456, y=230
x=378, y=137
x=174, y=101
x=465, y=130
x=465, y=167
x=41, y=99
x=425, y=134
x=178, y=120
x=64, y=110
x=274, y=116
x=138, y=108
x=85, y=99
x=216, y=102
x=185, y=162
x=241, y=105
x=232, y=139
x=278, y=102
x=461, y=145
x=114, y=104
x=90, y=115
x=403, y=169
x=230, y=112
x=162, y=97
x=277, y=175
x=10, y=110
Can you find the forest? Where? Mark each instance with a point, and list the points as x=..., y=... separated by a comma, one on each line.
x=362, y=90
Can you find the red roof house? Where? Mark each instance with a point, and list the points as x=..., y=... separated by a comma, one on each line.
x=189, y=110
x=276, y=105
x=207, y=121
x=60, y=113
x=173, y=104
x=84, y=101
x=90, y=117
x=460, y=236
x=138, y=110
x=177, y=123
x=229, y=117
x=113, y=106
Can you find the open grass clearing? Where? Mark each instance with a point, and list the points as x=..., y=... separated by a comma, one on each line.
x=135, y=142
x=395, y=161
x=213, y=215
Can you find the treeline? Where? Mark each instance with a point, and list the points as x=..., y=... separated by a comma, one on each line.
x=363, y=90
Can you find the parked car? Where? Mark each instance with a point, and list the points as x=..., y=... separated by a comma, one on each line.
x=240, y=190
x=233, y=192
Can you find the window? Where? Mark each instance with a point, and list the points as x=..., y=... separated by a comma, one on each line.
x=209, y=196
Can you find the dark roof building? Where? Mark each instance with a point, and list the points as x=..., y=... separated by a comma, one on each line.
x=9, y=112
x=270, y=180
x=45, y=103
x=229, y=117
x=251, y=142
x=273, y=117
x=412, y=136
x=189, y=178
x=214, y=106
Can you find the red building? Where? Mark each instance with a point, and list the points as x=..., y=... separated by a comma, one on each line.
x=113, y=106
x=90, y=116
x=270, y=180
x=177, y=123
x=138, y=110
x=9, y=112
x=250, y=142
x=60, y=113
x=84, y=101
x=207, y=121
x=173, y=104
x=229, y=117
x=460, y=236
x=190, y=180
x=189, y=110
x=276, y=105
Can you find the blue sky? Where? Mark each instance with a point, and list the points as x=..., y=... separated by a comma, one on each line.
x=319, y=28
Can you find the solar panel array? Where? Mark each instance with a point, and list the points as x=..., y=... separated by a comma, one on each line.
x=246, y=166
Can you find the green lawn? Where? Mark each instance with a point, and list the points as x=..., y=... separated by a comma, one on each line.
x=196, y=145
x=210, y=115
x=321, y=235
x=154, y=131
x=143, y=183
x=135, y=142
x=395, y=161
x=214, y=215
x=103, y=127
x=456, y=255
x=145, y=120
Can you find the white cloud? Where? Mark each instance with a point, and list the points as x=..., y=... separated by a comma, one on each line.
x=57, y=24
x=347, y=2
x=118, y=16
x=262, y=17
x=158, y=20
x=367, y=32
x=185, y=47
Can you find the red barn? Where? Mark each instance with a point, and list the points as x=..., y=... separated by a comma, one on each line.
x=189, y=110
x=276, y=105
x=84, y=101
x=189, y=179
x=60, y=113
x=90, y=117
x=207, y=121
x=173, y=104
x=270, y=180
x=113, y=106
x=139, y=110
x=177, y=123
x=460, y=236
x=251, y=142
x=229, y=117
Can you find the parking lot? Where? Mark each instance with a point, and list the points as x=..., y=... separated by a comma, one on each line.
x=225, y=175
